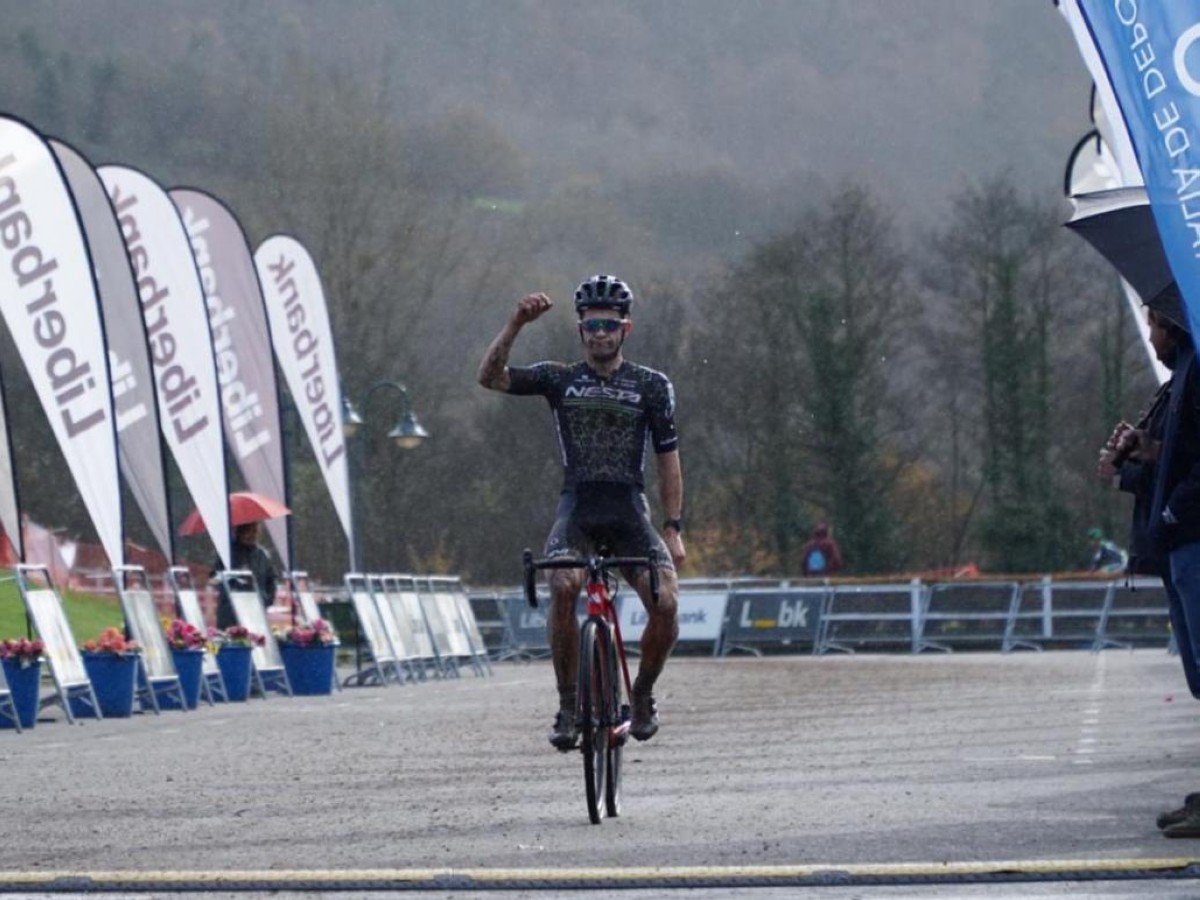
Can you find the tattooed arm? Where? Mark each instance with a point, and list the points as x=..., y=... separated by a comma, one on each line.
x=493, y=369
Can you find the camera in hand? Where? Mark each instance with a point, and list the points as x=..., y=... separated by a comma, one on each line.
x=1125, y=450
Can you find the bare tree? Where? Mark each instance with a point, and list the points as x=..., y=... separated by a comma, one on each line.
x=1007, y=335
x=803, y=417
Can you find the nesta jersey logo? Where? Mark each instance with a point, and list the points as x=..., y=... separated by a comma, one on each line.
x=604, y=393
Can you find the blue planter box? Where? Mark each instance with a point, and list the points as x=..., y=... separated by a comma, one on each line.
x=188, y=665
x=113, y=676
x=25, y=683
x=309, y=669
x=236, y=665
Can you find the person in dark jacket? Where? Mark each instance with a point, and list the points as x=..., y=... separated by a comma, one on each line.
x=1131, y=470
x=1164, y=475
x=247, y=553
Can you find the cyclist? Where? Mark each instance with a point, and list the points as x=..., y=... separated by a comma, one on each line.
x=604, y=409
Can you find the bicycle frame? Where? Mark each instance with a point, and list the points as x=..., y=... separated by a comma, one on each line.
x=600, y=604
x=599, y=601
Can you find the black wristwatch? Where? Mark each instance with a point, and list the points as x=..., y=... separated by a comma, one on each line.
x=677, y=524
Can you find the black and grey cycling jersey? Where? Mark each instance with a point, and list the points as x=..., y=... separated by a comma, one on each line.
x=603, y=423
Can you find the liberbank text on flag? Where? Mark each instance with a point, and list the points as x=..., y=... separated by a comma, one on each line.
x=140, y=450
x=1151, y=51
x=303, y=341
x=176, y=322
x=48, y=300
x=241, y=343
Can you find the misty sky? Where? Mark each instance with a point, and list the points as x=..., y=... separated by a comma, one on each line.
x=914, y=98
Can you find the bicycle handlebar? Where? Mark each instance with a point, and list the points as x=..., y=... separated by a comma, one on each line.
x=595, y=565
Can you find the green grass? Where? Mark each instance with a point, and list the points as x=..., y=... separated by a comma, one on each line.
x=88, y=614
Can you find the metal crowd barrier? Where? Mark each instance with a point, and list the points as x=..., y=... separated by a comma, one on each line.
x=871, y=615
x=491, y=617
x=971, y=612
x=726, y=616
x=1134, y=612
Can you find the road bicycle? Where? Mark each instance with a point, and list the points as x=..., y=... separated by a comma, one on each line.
x=602, y=707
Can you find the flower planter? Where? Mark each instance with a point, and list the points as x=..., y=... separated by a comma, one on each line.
x=25, y=682
x=113, y=676
x=236, y=665
x=309, y=669
x=189, y=665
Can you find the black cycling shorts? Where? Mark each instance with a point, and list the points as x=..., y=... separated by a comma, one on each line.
x=608, y=517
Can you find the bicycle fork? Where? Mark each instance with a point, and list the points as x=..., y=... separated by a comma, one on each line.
x=600, y=610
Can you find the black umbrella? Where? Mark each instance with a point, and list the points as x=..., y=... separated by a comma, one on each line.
x=1120, y=225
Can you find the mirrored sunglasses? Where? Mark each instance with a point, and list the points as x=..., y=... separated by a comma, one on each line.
x=596, y=326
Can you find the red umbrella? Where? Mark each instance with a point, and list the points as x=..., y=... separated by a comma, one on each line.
x=244, y=507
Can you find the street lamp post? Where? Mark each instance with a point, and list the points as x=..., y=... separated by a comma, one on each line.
x=406, y=434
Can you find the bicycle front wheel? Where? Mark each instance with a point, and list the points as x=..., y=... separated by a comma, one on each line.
x=592, y=707
x=617, y=714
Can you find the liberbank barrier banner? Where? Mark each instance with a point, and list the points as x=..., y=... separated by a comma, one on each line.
x=138, y=440
x=176, y=321
x=787, y=616
x=242, y=347
x=782, y=616
x=303, y=344
x=700, y=616
x=1151, y=53
x=48, y=299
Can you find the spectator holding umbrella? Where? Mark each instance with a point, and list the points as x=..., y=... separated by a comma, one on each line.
x=1158, y=460
x=248, y=554
x=247, y=510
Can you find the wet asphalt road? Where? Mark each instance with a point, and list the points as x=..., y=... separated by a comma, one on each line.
x=1056, y=762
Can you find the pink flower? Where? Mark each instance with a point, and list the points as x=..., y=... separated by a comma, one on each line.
x=21, y=650
x=316, y=634
x=240, y=636
x=183, y=635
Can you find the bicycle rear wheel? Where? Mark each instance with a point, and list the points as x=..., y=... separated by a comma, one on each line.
x=593, y=729
x=617, y=714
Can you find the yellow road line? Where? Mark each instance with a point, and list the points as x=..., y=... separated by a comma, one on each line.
x=933, y=870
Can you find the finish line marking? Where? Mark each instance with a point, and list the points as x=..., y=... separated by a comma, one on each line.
x=534, y=878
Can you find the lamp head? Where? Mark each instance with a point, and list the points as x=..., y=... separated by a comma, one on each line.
x=351, y=420
x=408, y=432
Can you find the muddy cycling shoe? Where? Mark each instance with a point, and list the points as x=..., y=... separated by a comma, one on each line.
x=1187, y=827
x=565, y=733
x=645, y=717
x=1191, y=806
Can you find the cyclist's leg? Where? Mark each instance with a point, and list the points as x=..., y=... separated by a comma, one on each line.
x=662, y=625
x=562, y=628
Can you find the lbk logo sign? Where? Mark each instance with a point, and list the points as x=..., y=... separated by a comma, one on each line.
x=768, y=616
x=791, y=614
